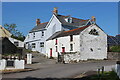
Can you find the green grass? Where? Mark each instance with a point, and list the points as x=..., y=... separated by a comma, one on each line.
x=106, y=76
x=115, y=48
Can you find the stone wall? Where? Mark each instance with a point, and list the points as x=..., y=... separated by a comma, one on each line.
x=113, y=55
x=72, y=57
x=75, y=56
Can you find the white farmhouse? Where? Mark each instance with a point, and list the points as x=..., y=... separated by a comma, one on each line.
x=68, y=34
x=36, y=38
x=89, y=41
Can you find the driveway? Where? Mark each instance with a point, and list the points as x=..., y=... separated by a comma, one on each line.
x=61, y=70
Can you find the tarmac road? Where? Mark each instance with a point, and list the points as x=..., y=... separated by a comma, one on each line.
x=60, y=70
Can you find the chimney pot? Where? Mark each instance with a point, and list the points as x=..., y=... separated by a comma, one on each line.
x=93, y=19
x=55, y=11
x=37, y=22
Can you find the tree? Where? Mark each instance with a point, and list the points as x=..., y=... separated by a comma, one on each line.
x=15, y=33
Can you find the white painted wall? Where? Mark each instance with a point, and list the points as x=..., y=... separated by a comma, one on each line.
x=2, y=64
x=29, y=58
x=53, y=26
x=97, y=43
x=19, y=64
x=82, y=43
x=38, y=36
x=20, y=43
x=37, y=40
x=62, y=42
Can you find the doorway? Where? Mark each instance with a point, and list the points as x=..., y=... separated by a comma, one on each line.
x=63, y=49
x=50, y=52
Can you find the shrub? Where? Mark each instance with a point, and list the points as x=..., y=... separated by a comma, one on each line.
x=115, y=48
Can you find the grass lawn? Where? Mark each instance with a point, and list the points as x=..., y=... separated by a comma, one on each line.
x=106, y=76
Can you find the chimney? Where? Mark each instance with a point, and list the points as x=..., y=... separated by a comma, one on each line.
x=55, y=11
x=37, y=22
x=93, y=19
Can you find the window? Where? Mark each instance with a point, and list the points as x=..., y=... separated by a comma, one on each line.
x=16, y=43
x=69, y=20
x=91, y=49
x=93, y=32
x=33, y=45
x=71, y=47
x=89, y=24
x=42, y=33
x=99, y=48
x=42, y=44
x=71, y=37
x=33, y=35
x=56, y=42
x=56, y=49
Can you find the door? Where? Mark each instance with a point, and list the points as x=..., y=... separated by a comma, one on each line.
x=50, y=52
x=63, y=49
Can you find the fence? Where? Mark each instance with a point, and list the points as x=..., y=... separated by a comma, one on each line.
x=11, y=64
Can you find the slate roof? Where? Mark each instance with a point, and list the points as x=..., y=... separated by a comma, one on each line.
x=6, y=46
x=75, y=21
x=67, y=33
x=4, y=32
x=39, y=27
x=111, y=40
x=118, y=38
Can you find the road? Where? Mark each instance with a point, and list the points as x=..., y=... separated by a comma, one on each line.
x=60, y=70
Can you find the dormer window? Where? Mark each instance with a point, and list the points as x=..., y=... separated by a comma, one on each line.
x=68, y=19
x=93, y=32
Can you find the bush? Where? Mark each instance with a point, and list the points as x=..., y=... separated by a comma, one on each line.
x=115, y=48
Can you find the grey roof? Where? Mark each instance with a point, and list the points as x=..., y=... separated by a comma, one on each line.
x=67, y=33
x=75, y=21
x=111, y=40
x=55, y=35
x=39, y=27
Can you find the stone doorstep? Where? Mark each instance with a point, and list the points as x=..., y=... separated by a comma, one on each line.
x=8, y=71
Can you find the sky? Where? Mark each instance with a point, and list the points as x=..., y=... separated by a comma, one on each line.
x=24, y=14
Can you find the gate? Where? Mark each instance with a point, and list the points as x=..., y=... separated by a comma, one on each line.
x=61, y=57
x=10, y=63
